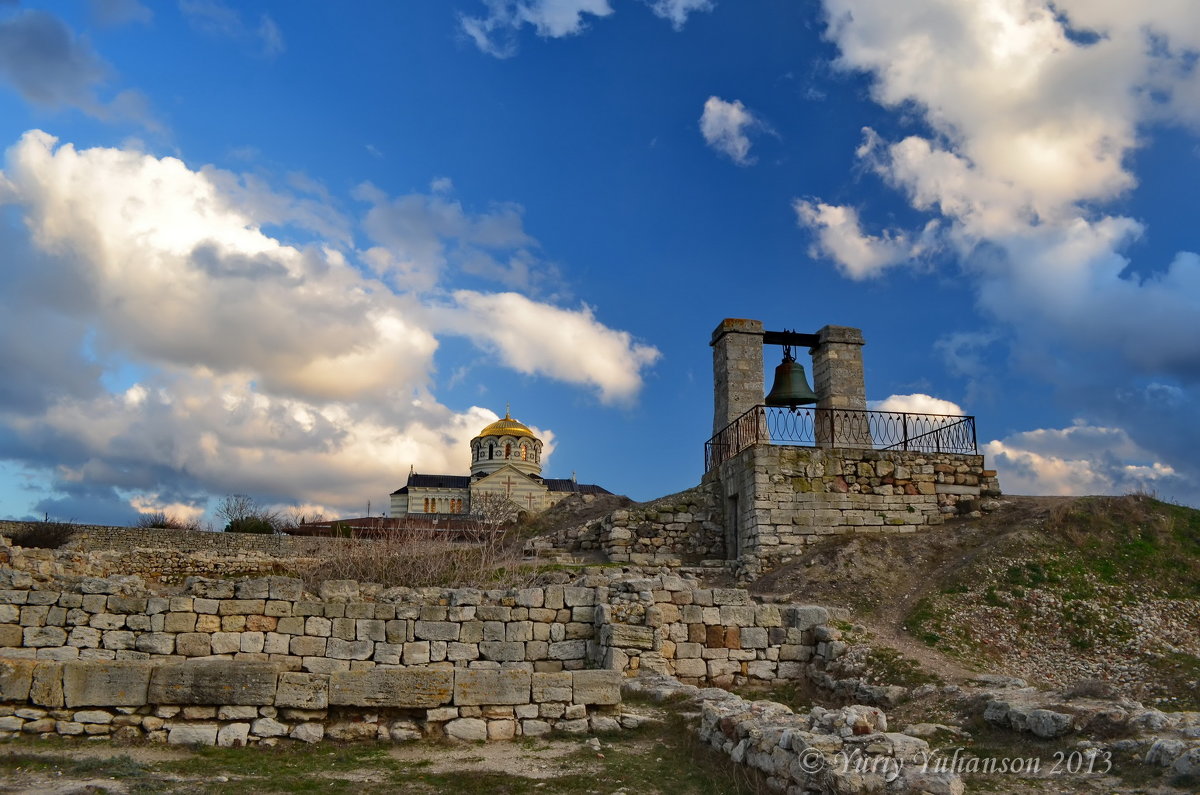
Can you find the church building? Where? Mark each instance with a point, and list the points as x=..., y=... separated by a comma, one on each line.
x=506, y=461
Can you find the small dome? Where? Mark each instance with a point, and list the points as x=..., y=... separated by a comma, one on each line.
x=506, y=427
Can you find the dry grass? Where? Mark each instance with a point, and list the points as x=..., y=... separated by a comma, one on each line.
x=422, y=558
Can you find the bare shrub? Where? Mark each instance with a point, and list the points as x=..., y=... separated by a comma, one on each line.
x=166, y=521
x=44, y=535
x=421, y=558
x=243, y=515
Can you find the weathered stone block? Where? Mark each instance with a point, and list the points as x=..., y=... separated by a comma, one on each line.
x=412, y=688
x=340, y=649
x=596, y=687
x=436, y=630
x=106, y=684
x=629, y=636
x=192, y=734
x=474, y=687
x=47, y=689
x=213, y=682
x=302, y=691
x=501, y=651
x=552, y=687
x=468, y=729
x=16, y=678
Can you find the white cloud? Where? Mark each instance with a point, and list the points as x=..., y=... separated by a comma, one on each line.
x=1081, y=459
x=917, y=403
x=726, y=127
x=261, y=366
x=580, y=350
x=422, y=236
x=494, y=34
x=1034, y=126
x=677, y=11
x=840, y=237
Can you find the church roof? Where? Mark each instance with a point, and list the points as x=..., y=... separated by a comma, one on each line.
x=507, y=427
x=439, y=481
x=566, y=484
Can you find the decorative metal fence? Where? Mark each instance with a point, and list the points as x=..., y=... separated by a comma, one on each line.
x=877, y=430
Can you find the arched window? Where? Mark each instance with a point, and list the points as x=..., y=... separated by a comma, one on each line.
x=508, y=451
x=491, y=451
x=426, y=505
x=524, y=453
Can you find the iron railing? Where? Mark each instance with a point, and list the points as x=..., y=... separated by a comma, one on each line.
x=876, y=430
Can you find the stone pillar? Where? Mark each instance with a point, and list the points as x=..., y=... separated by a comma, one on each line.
x=839, y=384
x=737, y=369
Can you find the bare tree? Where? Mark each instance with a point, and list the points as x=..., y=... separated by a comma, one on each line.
x=493, y=511
x=242, y=515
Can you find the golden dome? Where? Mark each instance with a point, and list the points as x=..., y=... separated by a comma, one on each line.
x=506, y=427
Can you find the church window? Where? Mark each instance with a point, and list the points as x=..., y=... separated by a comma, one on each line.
x=524, y=453
x=508, y=451
x=491, y=451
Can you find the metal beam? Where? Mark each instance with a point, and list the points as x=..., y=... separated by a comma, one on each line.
x=793, y=338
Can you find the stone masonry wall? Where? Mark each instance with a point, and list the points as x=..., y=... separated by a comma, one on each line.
x=786, y=497
x=225, y=702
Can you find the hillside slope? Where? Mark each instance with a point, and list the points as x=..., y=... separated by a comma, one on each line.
x=1096, y=592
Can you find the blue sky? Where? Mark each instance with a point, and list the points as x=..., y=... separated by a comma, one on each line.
x=292, y=248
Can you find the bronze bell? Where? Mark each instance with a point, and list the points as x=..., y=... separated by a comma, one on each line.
x=791, y=387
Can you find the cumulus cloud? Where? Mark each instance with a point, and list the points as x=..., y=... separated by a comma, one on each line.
x=1081, y=459
x=859, y=255
x=249, y=364
x=726, y=127
x=1032, y=114
x=581, y=350
x=917, y=403
x=1034, y=128
x=677, y=11
x=495, y=34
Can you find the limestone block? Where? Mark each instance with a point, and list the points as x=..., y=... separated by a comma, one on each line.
x=371, y=629
x=10, y=635
x=106, y=684
x=302, y=690
x=192, y=734
x=340, y=591
x=501, y=651
x=691, y=667
x=552, y=687
x=416, y=653
x=193, y=644
x=233, y=735
x=473, y=687
x=628, y=636
x=16, y=679
x=411, y=688
x=568, y=650
x=596, y=687
x=308, y=732
x=39, y=637
x=156, y=643
x=226, y=642
x=340, y=649
x=343, y=628
x=436, y=630
x=288, y=589
x=308, y=646
x=47, y=690
x=252, y=642
x=240, y=607
x=323, y=665
x=467, y=729
x=261, y=623
x=213, y=682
